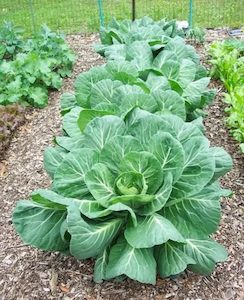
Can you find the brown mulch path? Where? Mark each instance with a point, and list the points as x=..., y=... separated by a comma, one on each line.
x=28, y=273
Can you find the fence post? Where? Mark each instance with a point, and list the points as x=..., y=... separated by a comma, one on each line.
x=32, y=16
x=101, y=14
x=190, y=17
x=133, y=10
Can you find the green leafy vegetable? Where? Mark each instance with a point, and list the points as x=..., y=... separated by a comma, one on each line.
x=32, y=66
x=128, y=196
x=134, y=185
x=228, y=65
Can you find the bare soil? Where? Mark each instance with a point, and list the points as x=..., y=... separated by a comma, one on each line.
x=28, y=273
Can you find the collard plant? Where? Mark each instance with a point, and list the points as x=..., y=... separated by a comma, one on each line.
x=180, y=88
x=141, y=197
x=156, y=33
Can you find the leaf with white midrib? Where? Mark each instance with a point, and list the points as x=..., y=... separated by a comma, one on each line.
x=171, y=259
x=206, y=253
x=40, y=225
x=150, y=231
x=69, y=178
x=138, y=264
x=89, y=239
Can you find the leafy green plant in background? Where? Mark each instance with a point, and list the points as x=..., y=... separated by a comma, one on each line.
x=139, y=199
x=160, y=55
x=196, y=34
x=228, y=65
x=174, y=76
x=156, y=34
x=31, y=66
x=11, y=40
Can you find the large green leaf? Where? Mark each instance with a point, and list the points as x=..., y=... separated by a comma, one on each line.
x=206, y=254
x=93, y=210
x=133, y=118
x=40, y=224
x=98, y=132
x=125, y=90
x=171, y=259
x=170, y=69
x=175, y=86
x=146, y=164
x=193, y=92
x=163, y=57
x=100, y=182
x=200, y=211
x=137, y=264
x=86, y=115
x=84, y=82
x=187, y=72
x=116, y=52
x=70, y=122
x=51, y=199
x=67, y=102
x=140, y=53
x=198, y=168
x=157, y=83
x=183, y=131
x=182, y=51
x=89, y=239
x=123, y=71
x=70, y=143
x=53, y=157
x=143, y=101
x=69, y=178
x=100, y=266
x=208, y=97
x=143, y=125
x=169, y=153
x=170, y=102
x=223, y=162
x=116, y=148
x=150, y=231
x=103, y=91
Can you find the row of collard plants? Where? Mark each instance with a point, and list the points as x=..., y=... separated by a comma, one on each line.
x=228, y=65
x=29, y=67
x=135, y=183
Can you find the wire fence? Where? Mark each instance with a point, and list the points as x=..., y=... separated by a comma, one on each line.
x=73, y=16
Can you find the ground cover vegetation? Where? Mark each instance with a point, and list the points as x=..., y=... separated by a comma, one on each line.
x=228, y=66
x=135, y=183
x=29, y=67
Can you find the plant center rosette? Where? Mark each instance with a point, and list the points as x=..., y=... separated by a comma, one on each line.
x=140, y=198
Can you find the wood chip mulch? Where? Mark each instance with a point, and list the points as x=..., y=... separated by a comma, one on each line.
x=27, y=273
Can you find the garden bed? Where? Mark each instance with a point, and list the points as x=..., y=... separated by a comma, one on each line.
x=28, y=273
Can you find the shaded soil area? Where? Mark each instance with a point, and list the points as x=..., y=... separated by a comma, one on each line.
x=28, y=273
